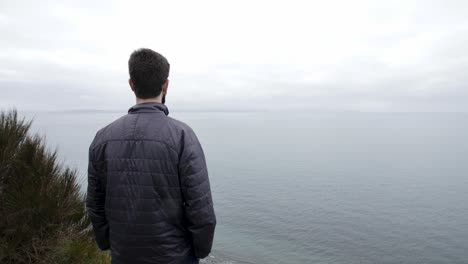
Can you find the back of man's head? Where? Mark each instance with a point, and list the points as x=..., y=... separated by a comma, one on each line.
x=149, y=71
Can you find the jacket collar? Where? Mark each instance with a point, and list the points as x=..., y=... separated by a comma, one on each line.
x=148, y=108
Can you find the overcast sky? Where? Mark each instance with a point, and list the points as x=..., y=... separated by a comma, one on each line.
x=318, y=55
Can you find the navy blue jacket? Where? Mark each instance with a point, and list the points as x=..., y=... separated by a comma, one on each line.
x=149, y=196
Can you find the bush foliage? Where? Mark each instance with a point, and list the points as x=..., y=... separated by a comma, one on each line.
x=42, y=213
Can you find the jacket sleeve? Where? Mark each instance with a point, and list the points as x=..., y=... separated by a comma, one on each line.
x=95, y=201
x=198, y=204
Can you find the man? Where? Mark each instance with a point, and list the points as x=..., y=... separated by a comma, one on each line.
x=149, y=196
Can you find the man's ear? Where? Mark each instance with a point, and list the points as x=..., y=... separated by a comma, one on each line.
x=131, y=84
x=165, y=86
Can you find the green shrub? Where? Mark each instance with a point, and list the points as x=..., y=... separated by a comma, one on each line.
x=42, y=214
x=81, y=249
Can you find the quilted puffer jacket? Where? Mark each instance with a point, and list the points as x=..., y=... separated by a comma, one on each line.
x=149, y=196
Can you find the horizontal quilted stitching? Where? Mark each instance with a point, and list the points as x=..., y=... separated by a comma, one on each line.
x=148, y=181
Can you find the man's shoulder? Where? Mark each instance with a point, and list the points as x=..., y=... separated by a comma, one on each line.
x=179, y=125
x=109, y=131
x=182, y=132
x=172, y=133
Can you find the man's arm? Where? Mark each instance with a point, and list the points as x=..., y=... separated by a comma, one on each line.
x=95, y=201
x=196, y=192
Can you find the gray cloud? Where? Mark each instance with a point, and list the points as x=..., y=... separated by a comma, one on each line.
x=365, y=56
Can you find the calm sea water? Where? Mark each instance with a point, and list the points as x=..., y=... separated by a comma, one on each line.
x=294, y=187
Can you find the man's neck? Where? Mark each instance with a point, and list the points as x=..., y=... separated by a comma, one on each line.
x=149, y=100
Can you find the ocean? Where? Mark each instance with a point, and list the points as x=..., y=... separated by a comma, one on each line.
x=311, y=187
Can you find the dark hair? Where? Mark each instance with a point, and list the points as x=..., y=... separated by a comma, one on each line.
x=148, y=71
